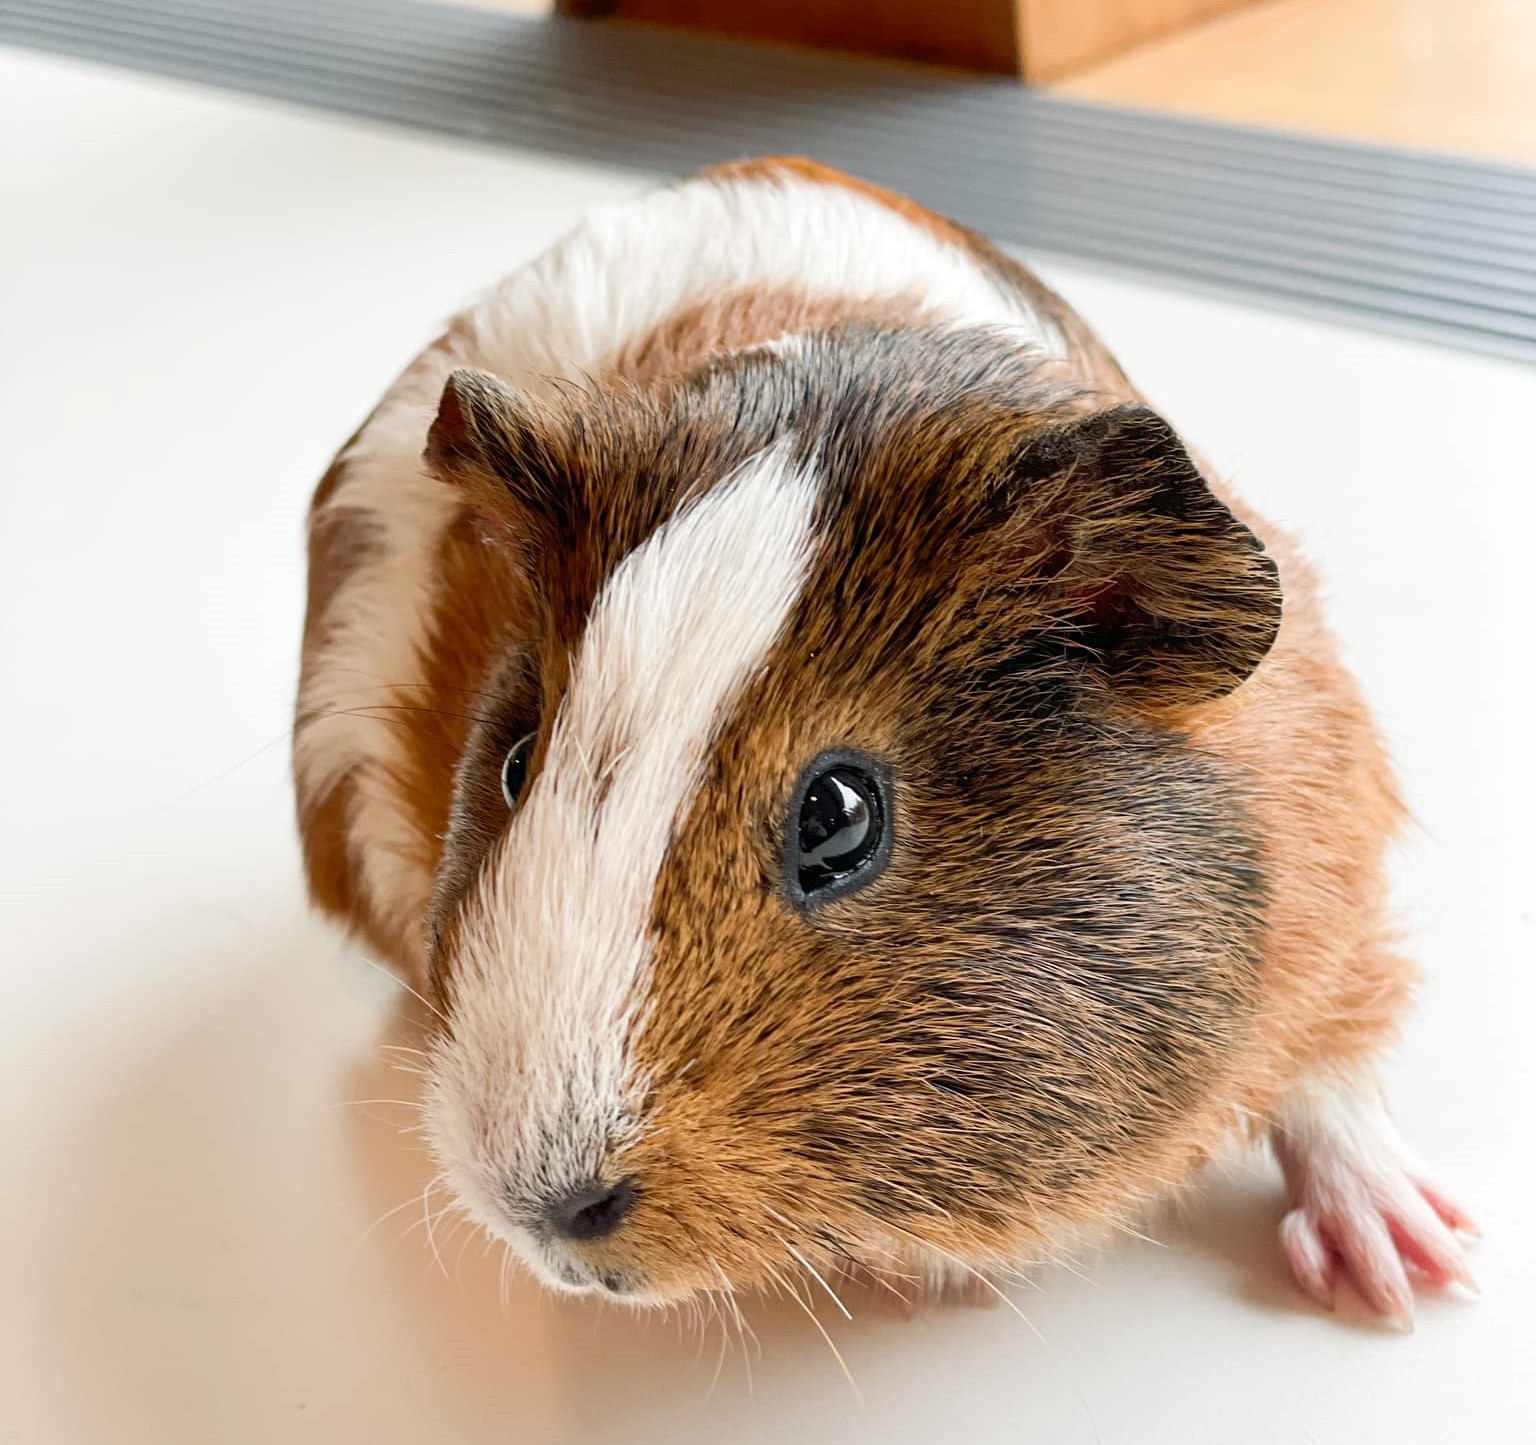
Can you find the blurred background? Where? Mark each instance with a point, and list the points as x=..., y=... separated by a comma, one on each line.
x=1308, y=229
x=1445, y=75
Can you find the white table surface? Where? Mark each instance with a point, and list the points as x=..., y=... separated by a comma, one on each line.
x=200, y=296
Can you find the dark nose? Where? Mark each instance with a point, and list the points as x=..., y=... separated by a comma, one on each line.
x=593, y=1213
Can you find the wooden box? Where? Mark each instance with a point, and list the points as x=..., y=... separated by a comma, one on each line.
x=1035, y=39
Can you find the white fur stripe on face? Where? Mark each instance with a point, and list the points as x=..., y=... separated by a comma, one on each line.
x=535, y=1085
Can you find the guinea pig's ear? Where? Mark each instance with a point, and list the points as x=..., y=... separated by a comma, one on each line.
x=1176, y=598
x=488, y=441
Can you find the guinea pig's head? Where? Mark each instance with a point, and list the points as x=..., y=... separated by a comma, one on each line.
x=828, y=878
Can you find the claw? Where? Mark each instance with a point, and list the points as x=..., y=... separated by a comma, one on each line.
x=1451, y=1214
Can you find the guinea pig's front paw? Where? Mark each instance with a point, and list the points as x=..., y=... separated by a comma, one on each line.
x=1361, y=1209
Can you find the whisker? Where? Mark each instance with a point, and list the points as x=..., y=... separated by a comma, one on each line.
x=816, y=1275
x=353, y=1103
x=743, y=1329
x=467, y=1237
x=1062, y=1262
x=1028, y=1323
x=877, y=1276
x=821, y=1329
x=387, y=1214
x=725, y=1340
x=316, y=716
x=367, y=709
x=228, y=772
x=978, y=1275
x=745, y=1332
x=380, y=683
x=389, y=974
x=432, y=1222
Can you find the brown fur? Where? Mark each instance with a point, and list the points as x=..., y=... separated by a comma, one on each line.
x=1131, y=903
x=482, y=607
x=744, y=318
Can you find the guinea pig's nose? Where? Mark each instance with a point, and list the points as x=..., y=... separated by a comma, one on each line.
x=592, y=1213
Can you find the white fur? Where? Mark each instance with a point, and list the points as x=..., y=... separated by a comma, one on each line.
x=631, y=266
x=536, y=1085
x=619, y=275
x=1362, y=1206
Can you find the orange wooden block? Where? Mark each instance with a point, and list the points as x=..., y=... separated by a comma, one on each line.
x=1036, y=39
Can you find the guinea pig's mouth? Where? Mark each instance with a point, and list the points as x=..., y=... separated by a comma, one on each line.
x=578, y=1277
x=566, y=1273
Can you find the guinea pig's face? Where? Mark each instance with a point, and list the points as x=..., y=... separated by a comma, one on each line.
x=828, y=880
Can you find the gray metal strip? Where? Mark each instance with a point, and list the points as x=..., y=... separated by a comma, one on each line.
x=1430, y=246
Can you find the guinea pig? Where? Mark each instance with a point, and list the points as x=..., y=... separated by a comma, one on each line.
x=855, y=791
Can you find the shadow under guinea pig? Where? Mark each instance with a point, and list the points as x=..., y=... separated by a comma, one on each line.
x=607, y=1372
x=756, y=1368
x=229, y=1243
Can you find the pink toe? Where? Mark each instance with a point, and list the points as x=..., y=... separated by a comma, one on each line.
x=1435, y=1256
x=1375, y=1267
x=1311, y=1261
x=1452, y=1215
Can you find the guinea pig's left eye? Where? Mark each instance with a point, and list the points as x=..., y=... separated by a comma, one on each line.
x=838, y=835
x=514, y=768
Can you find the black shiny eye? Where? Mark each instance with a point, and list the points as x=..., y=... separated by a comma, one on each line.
x=514, y=768
x=839, y=838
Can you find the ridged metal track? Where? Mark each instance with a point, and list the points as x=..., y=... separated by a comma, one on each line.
x=1431, y=246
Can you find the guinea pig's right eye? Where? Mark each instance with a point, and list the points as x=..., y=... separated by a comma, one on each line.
x=839, y=828
x=514, y=768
